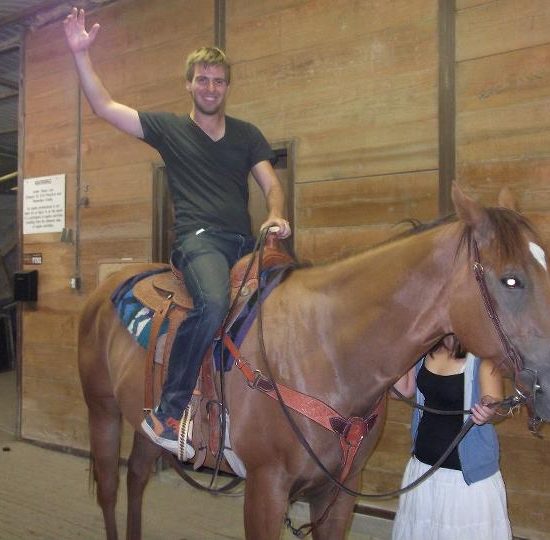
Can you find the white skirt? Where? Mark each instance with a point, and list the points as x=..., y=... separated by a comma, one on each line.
x=444, y=507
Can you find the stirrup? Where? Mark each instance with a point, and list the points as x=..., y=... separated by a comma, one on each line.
x=183, y=443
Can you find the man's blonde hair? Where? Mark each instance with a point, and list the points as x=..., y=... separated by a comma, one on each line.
x=209, y=56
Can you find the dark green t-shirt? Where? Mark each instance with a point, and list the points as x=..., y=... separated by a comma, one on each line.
x=208, y=180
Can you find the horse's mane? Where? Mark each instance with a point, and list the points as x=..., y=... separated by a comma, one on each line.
x=415, y=227
x=418, y=227
x=508, y=226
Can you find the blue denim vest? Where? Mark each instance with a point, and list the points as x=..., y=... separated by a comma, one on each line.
x=478, y=451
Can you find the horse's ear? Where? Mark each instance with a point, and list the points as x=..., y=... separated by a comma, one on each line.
x=471, y=213
x=507, y=199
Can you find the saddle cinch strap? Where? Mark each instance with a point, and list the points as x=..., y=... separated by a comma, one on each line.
x=166, y=295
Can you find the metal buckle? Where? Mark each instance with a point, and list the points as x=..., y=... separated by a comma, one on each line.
x=257, y=376
x=526, y=384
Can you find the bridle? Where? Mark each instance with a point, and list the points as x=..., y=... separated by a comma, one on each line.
x=526, y=383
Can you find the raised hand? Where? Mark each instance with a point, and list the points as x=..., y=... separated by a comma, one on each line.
x=75, y=31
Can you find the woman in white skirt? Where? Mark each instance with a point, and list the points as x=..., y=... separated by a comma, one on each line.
x=465, y=499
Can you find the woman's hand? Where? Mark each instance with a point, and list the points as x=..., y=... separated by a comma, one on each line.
x=483, y=412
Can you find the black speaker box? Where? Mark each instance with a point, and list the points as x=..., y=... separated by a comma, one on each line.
x=25, y=286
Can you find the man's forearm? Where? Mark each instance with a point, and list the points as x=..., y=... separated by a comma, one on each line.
x=94, y=90
x=275, y=201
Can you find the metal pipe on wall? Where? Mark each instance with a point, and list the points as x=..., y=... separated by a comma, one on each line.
x=219, y=23
x=446, y=103
x=8, y=176
x=76, y=279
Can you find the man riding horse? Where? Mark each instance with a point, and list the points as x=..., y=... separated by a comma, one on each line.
x=208, y=157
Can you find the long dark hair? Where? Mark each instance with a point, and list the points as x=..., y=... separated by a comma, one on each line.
x=450, y=343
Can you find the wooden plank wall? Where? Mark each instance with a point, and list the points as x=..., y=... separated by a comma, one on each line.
x=354, y=85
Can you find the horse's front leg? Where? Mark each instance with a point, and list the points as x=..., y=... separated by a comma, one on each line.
x=143, y=456
x=339, y=512
x=265, y=502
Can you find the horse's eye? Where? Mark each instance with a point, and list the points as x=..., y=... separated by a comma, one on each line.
x=512, y=282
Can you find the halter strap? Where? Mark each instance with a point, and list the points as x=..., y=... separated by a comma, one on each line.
x=512, y=356
x=514, y=359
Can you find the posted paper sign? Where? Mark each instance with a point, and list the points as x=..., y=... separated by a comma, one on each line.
x=44, y=204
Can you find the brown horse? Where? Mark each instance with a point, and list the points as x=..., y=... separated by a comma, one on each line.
x=342, y=332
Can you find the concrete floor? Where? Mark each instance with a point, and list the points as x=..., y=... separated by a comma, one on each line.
x=44, y=495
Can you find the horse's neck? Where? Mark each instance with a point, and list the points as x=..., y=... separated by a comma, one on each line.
x=384, y=307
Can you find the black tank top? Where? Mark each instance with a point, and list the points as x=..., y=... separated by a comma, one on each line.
x=436, y=432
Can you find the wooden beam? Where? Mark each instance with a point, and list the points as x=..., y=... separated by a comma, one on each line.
x=13, y=85
x=447, y=104
x=19, y=15
x=11, y=95
x=219, y=23
x=7, y=177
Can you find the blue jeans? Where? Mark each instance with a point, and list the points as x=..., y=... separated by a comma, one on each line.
x=205, y=259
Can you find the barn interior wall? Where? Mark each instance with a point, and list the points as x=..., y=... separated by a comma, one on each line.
x=354, y=86
x=359, y=98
